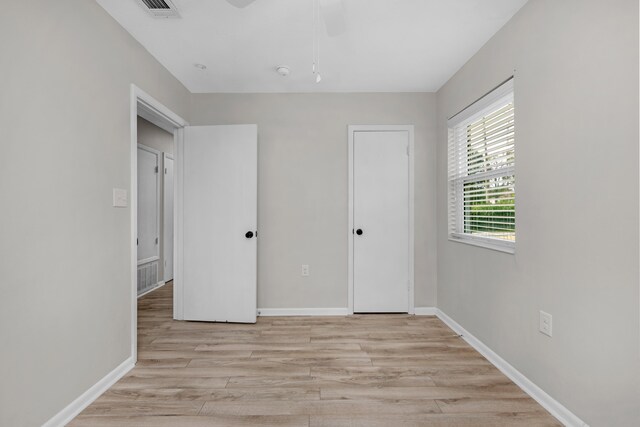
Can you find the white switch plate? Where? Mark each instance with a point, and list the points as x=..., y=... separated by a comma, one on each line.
x=305, y=269
x=546, y=323
x=119, y=198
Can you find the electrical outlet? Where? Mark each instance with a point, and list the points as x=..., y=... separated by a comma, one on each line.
x=305, y=269
x=546, y=323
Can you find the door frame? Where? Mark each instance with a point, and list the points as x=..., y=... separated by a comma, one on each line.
x=352, y=129
x=144, y=105
x=166, y=156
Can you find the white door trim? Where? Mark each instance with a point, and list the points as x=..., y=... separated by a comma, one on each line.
x=178, y=226
x=166, y=156
x=147, y=107
x=381, y=128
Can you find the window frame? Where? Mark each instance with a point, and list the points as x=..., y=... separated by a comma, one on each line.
x=484, y=106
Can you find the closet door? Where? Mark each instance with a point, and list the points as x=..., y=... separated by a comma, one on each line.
x=381, y=221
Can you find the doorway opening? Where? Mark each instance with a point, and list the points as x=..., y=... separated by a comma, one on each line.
x=381, y=219
x=150, y=237
x=156, y=133
x=155, y=207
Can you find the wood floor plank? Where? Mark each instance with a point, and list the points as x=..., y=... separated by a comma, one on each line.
x=267, y=394
x=452, y=342
x=135, y=382
x=192, y=421
x=436, y=420
x=140, y=407
x=176, y=362
x=275, y=345
x=273, y=382
x=418, y=393
x=373, y=376
x=190, y=354
x=469, y=379
x=477, y=405
x=442, y=371
x=149, y=393
x=305, y=353
x=321, y=407
x=362, y=370
x=429, y=361
x=223, y=371
x=316, y=361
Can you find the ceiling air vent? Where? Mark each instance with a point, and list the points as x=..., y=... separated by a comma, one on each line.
x=160, y=8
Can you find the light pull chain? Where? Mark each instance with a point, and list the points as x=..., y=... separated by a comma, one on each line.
x=315, y=68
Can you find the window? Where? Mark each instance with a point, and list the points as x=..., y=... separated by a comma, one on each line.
x=482, y=172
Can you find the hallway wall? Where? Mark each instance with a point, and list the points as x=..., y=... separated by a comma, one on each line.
x=66, y=70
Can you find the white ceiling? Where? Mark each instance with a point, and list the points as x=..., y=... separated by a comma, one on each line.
x=389, y=45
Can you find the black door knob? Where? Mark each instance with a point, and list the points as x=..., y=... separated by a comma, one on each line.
x=249, y=234
x=359, y=232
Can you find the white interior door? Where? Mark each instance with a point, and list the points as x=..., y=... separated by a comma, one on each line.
x=148, y=198
x=381, y=221
x=219, y=223
x=168, y=218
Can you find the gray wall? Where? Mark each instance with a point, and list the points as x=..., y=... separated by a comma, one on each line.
x=152, y=136
x=302, y=186
x=66, y=67
x=576, y=97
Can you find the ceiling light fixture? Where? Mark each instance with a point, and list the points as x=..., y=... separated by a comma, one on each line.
x=200, y=66
x=240, y=3
x=283, y=70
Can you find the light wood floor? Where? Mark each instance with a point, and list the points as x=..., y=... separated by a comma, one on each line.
x=363, y=370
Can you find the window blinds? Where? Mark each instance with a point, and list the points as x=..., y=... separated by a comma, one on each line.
x=481, y=176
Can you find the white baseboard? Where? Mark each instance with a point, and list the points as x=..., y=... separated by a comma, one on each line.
x=303, y=312
x=65, y=416
x=426, y=311
x=561, y=413
x=157, y=286
x=419, y=311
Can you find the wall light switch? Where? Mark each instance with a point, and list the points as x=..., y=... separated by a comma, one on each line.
x=119, y=198
x=305, y=269
x=546, y=323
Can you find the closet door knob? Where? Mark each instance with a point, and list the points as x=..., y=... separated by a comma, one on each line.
x=249, y=234
x=359, y=232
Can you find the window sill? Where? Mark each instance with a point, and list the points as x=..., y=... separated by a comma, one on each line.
x=506, y=247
